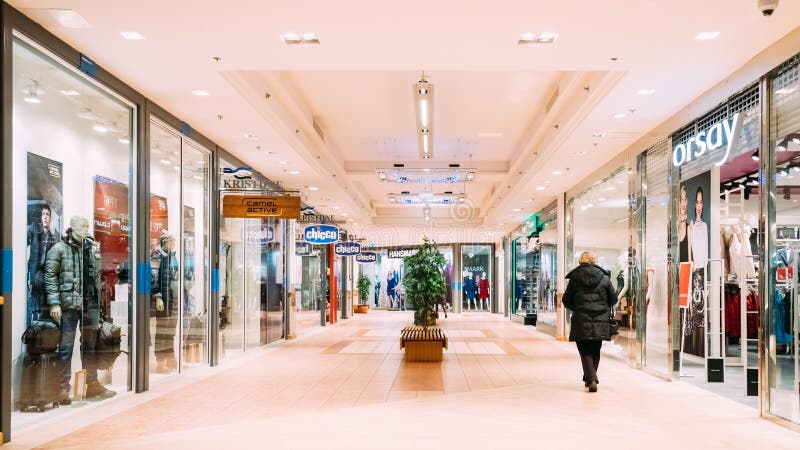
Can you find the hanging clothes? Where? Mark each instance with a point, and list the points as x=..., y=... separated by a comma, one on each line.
x=733, y=313
x=782, y=337
x=753, y=316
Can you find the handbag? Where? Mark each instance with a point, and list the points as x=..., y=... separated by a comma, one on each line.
x=613, y=325
x=107, y=348
x=42, y=336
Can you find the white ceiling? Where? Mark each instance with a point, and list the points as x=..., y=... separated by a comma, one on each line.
x=358, y=83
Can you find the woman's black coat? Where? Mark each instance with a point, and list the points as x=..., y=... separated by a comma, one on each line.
x=590, y=296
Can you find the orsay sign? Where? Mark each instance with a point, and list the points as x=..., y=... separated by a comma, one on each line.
x=321, y=234
x=724, y=134
x=347, y=248
x=367, y=257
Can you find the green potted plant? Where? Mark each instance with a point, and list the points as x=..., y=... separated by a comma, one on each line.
x=363, y=285
x=424, y=282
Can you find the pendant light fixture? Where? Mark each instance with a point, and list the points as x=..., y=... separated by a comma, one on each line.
x=423, y=110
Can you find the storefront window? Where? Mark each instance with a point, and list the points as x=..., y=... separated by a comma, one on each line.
x=783, y=323
x=179, y=252
x=535, y=270
x=71, y=221
x=308, y=276
x=476, y=283
x=600, y=225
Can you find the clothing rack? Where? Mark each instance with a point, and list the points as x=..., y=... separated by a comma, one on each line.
x=791, y=285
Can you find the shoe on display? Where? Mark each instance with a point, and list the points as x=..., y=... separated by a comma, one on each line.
x=63, y=397
x=98, y=390
x=593, y=386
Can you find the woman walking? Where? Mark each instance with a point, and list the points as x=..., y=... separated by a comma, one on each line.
x=589, y=296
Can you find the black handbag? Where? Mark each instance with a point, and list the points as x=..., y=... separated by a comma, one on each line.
x=42, y=336
x=613, y=325
x=107, y=348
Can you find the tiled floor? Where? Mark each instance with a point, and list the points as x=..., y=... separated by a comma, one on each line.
x=501, y=385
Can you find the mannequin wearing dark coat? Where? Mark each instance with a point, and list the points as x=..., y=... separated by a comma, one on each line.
x=590, y=296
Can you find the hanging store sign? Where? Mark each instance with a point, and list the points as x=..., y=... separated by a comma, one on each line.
x=302, y=248
x=260, y=235
x=347, y=248
x=260, y=207
x=399, y=253
x=724, y=134
x=321, y=234
x=367, y=257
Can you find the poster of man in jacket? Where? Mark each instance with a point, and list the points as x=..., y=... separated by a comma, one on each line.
x=44, y=223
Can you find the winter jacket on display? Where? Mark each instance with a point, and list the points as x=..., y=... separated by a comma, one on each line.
x=39, y=243
x=63, y=274
x=589, y=296
x=521, y=286
x=91, y=272
x=163, y=282
x=483, y=289
x=391, y=284
x=471, y=288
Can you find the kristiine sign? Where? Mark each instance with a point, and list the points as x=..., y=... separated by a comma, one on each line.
x=321, y=234
x=724, y=134
x=347, y=248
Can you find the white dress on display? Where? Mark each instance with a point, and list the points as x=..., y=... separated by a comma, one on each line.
x=699, y=244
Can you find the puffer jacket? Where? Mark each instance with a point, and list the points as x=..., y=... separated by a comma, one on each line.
x=63, y=279
x=590, y=296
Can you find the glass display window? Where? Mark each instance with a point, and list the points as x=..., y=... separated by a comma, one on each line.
x=476, y=277
x=535, y=270
x=72, y=237
x=179, y=251
x=309, y=269
x=783, y=309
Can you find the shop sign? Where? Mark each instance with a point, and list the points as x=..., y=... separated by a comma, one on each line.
x=367, y=257
x=347, y=248
x=302, y=248
x=259, y=235
x=260, y=207
x=241, y=179
x=399, y=253
x=321, y=234
x=724, y=134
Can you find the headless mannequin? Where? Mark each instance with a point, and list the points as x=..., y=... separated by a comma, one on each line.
x=483, y=291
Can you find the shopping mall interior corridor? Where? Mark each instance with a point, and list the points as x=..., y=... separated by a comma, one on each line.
x=501, y=385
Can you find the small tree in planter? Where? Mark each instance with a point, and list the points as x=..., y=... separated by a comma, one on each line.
x=424, y=282
x=363, y=285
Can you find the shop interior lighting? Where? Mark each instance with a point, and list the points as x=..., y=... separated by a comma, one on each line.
x=294, y=172
x=707, y=35
x=124, y=141
x=166, y=161
x=132, y=35
x=429, y=198
x=423, y=109
x=448, y=175
x=313, y=188
x=542, y=38
x=598, y=134
x=620, y=115
x=300, y=38
x=70, y=92
x=100, y=127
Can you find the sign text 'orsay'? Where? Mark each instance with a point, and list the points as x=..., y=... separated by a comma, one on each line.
x=724, y=134
x=250, y=206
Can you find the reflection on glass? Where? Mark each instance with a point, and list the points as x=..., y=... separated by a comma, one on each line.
x=783, y=359
x=72, y=238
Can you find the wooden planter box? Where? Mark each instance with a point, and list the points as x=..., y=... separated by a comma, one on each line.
x=423, y=345
x=361, y=309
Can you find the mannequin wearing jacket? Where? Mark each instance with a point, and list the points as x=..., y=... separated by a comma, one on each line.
x=164, y=301
x=41, y=238
x=72, y=284
x=391, y=284
x=472, y=291
x=483, y=290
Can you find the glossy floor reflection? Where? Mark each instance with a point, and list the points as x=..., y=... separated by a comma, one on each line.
x=501, y=385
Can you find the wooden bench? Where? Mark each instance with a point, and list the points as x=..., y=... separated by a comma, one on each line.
x=423, y=345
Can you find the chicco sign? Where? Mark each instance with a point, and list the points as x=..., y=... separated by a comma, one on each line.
x=321, y=234
x=347, y=248
x=367, y=257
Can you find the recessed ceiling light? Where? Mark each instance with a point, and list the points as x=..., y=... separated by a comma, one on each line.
x=501, y=224
x=540, y=188
x=517, y=209
x=557, y=172
x=335, y=207
x=201, y=93
x=598, y=134
x=532, y=38
x=313, y=188
x=707, y=35
x=166, y=161
x=547, y=182
x=299, y=38
x=283, y=163
x=620, y=115
x=250, y=136
x=294, y=172
x=645, y=92
x=68, y=18
x=70, y=92
x=132, y=35
x=100, y=128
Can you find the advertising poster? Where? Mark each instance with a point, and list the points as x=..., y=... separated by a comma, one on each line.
x=159, y=219
x=693, y=246
x=111, y=231
x=45, y=218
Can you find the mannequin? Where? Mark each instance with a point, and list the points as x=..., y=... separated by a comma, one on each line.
x=465, y=287
x=472, y=290
x=391, y=284
x=483, y=290
x=72, y=284
x=623, y=282
x=377, y=290
x=164, y=302
x=521, y=287
x=41, y=238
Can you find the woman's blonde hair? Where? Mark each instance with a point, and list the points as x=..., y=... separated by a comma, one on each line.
x=587, y=258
